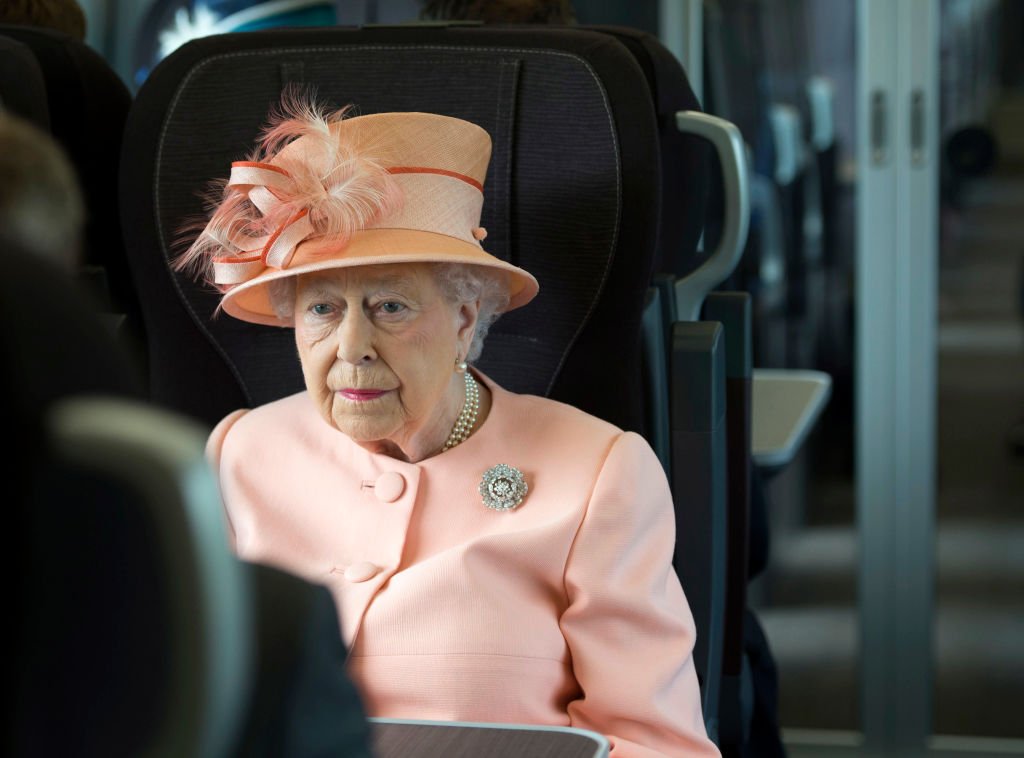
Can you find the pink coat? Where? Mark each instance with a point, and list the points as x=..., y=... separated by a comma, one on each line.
x=564, y=611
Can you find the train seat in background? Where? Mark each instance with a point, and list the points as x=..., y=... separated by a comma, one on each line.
x=734, y=90
x=797, y=132
x=757, y=75
x=686, y=171
x=572, y=195
x=22, y=88
x=87, y=105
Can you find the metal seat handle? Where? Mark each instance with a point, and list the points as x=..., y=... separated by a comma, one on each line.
x=691, y=290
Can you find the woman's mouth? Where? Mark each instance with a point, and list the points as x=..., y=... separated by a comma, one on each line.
x=361, y=395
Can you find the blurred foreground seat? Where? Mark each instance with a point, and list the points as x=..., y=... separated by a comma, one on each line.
x=140, y=632
x=136, y=631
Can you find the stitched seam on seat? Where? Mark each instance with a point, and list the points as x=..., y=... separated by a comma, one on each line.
x=505, y=182
x=200, y=323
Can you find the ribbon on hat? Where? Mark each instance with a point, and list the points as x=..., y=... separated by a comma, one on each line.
x=258, y=181
x=273, y=191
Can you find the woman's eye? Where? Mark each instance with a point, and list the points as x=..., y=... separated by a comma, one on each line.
x=321, y=309
x=391, y=307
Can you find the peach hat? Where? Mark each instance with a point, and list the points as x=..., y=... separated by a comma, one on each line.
x=328, y=192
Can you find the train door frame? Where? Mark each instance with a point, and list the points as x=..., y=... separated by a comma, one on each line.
x=895, y=366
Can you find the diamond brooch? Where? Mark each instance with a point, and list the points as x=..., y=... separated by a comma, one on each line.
x=503, y=487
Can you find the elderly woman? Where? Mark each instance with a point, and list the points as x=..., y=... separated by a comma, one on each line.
x=494, y=557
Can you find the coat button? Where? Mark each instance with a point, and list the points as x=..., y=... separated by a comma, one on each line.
x=360, y=572
x=389, y=486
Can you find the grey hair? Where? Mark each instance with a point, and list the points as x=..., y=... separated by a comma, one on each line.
x=464, y=283
x=459, y=283
x=282, y=294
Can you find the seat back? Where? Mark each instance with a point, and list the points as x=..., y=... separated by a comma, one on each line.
x=87, y=106
x=22, y=89
x=685, y=158
x=568, y=195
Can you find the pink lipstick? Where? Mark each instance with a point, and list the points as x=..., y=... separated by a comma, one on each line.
x=361, y=396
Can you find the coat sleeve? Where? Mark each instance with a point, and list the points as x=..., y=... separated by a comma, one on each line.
x=214, y=446
x=628, y=626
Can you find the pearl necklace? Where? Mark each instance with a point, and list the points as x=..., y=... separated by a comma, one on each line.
x=467, y=418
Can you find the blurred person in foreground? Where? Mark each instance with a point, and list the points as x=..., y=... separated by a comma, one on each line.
x=41, y=205
x=494, y=557
x=42, y=218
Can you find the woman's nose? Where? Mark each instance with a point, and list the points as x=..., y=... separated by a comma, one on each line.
x=355, y=339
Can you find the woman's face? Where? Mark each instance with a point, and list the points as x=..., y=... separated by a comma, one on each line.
x=378, y=346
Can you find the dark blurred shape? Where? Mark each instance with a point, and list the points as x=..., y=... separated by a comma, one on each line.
x=22, y=89
x=303, y=705
x=88, y=104
x=75, y=533
x=93, y=624
x=500, y=11
x=765, y=740
x=53, y=345
x=41, y=205
x=971, y=151
x=65, y=16
x=161, y=641
x=135, y=629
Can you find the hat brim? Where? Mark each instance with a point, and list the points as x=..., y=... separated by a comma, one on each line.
x=250, y=300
